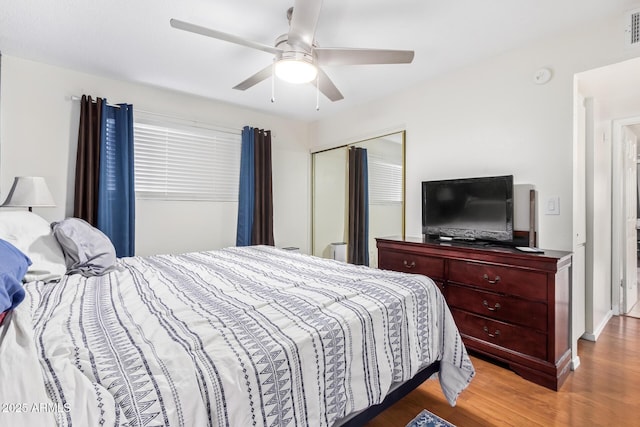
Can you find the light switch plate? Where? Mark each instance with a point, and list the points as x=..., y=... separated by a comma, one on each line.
x=552, y=206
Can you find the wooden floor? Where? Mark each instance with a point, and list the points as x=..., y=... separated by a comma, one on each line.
x=603, y=391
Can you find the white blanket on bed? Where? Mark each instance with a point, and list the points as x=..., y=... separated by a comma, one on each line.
x=237, y=337
x=23, y=399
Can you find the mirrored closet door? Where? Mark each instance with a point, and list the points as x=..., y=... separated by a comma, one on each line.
x=385, y=159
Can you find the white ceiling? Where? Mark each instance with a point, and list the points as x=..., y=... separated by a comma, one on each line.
x=132, y=40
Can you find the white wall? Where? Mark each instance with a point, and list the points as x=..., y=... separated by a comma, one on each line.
x=39, y=136
x=491, y=119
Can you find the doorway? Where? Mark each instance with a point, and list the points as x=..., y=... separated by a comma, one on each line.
x=625, y=214
x=634, y=311
x=612, y=104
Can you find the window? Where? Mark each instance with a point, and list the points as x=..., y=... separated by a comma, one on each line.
x=175, y=160
x=385, y=180
x=110, y=154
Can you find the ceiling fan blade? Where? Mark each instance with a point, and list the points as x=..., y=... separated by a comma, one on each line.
x=327, y=87
x=355, y=56
x=304, y=19
x=261, y=75
x=181, y=25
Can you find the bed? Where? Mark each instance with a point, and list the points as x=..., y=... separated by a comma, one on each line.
x=233, y=337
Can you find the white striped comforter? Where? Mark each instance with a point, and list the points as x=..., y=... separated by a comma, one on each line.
x=237, y=337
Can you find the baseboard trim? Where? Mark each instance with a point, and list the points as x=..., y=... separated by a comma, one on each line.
x=575, y=362
x=593, y=336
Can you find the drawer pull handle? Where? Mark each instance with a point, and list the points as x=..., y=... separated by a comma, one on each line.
x=408, y=264
x=496, y=307
x=494, y=281
x=494, y=335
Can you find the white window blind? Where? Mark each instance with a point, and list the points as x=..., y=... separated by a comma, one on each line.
x=110, y=154
x=178, y=161
x=385, y=181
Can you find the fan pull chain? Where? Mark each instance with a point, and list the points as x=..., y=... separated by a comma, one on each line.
x=273, y=82
x=318, y=92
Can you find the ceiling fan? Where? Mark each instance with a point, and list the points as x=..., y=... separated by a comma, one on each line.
x=298, y=57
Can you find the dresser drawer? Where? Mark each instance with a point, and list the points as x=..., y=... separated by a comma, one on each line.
x=497, y=306
x=508, y=280
x=528, y=326
x=516, y=338
x=409, y=263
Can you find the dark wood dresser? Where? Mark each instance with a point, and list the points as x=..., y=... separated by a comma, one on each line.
x=510, y=305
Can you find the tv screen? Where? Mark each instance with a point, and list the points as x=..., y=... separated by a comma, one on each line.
x=469, y=208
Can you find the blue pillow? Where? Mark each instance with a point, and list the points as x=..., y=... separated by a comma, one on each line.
x=13, y=267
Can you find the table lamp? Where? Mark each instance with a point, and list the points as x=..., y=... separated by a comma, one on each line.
x=29, y=192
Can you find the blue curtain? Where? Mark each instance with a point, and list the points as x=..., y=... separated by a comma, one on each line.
x=246, y=201
x=116, y=190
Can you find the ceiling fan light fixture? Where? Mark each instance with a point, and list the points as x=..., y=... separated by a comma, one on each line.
x=295, y=70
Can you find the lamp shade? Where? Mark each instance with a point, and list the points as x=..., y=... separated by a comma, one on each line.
x=296, y=70
x=29, y=191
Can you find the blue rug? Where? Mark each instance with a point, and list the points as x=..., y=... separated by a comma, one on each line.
x=427, y=419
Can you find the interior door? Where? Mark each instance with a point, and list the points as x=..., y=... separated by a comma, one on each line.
x=329, y=200
x=630, y=290
x=386, y=193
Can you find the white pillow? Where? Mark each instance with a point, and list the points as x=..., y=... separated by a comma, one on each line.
x=87, y=250
x=32, y=235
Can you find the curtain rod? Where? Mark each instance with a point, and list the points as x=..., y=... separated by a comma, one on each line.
x=208, y=126
x=77, y=98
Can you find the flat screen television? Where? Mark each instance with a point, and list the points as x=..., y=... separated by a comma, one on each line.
x=469, y=208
